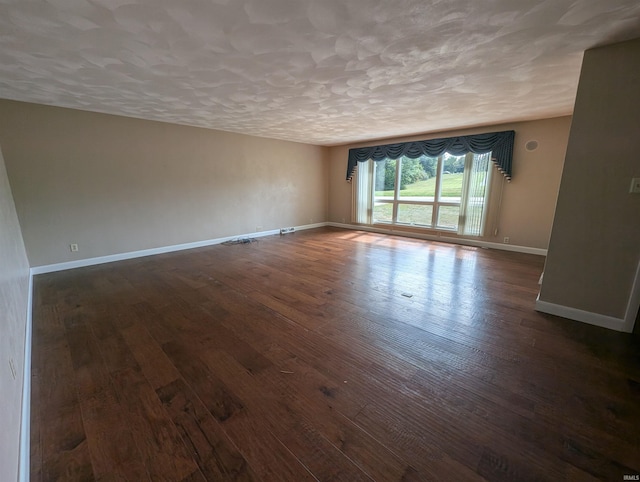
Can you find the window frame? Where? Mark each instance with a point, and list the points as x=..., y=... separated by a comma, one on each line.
x=436, y=204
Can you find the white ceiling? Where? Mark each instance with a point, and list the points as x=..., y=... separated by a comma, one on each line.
x=316, y=71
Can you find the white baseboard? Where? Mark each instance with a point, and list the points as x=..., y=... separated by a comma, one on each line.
x=444, y=239
x=625, y=325
x=604, y=321
x=311, y=226
x=81, y=263
x=25, y=420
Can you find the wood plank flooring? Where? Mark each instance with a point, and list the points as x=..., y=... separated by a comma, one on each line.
x=325, y=355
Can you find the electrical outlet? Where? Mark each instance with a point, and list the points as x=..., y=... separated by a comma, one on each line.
x=635, y=186
x=73, y=247
x=506, y=240
x=258, y=229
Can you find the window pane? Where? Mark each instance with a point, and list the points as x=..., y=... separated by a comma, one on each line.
x=415, y=214
x=382, y=212
x=418, y=179
x=451, y=181
x=385, y=179
x=448, y=217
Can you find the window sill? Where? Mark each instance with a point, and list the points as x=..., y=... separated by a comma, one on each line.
x=407, y=227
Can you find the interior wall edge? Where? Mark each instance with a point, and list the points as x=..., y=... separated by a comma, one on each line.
x=634, y=303
x=576, y=314
x=25, y=421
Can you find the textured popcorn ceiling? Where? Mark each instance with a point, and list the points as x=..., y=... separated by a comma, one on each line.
x=316, y=71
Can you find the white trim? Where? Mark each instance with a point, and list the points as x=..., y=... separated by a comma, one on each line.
x=346, y=226
x=624, y=325
x=634, y=303
x=589, y=317
x=311, y=226
x=81, y=263
x=444, y=239
x=25, y=419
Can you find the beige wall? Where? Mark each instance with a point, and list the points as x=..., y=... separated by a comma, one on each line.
x=14, y=287
x=115, y=184
x=595, y=245
x=529, y=199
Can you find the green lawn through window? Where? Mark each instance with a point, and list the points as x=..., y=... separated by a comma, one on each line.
x=416, y=214
x=451, y=187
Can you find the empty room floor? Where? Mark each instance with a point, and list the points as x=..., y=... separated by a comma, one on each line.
x=326, y=354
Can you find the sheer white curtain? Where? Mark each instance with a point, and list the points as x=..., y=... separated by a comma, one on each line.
x=474, y=192
x=362, y=193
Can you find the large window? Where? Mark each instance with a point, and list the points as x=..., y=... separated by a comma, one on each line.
x=445, y=193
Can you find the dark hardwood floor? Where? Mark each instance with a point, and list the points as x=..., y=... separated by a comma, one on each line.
x=325, y=355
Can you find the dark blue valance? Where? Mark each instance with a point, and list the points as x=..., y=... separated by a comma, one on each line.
x=500, y=144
